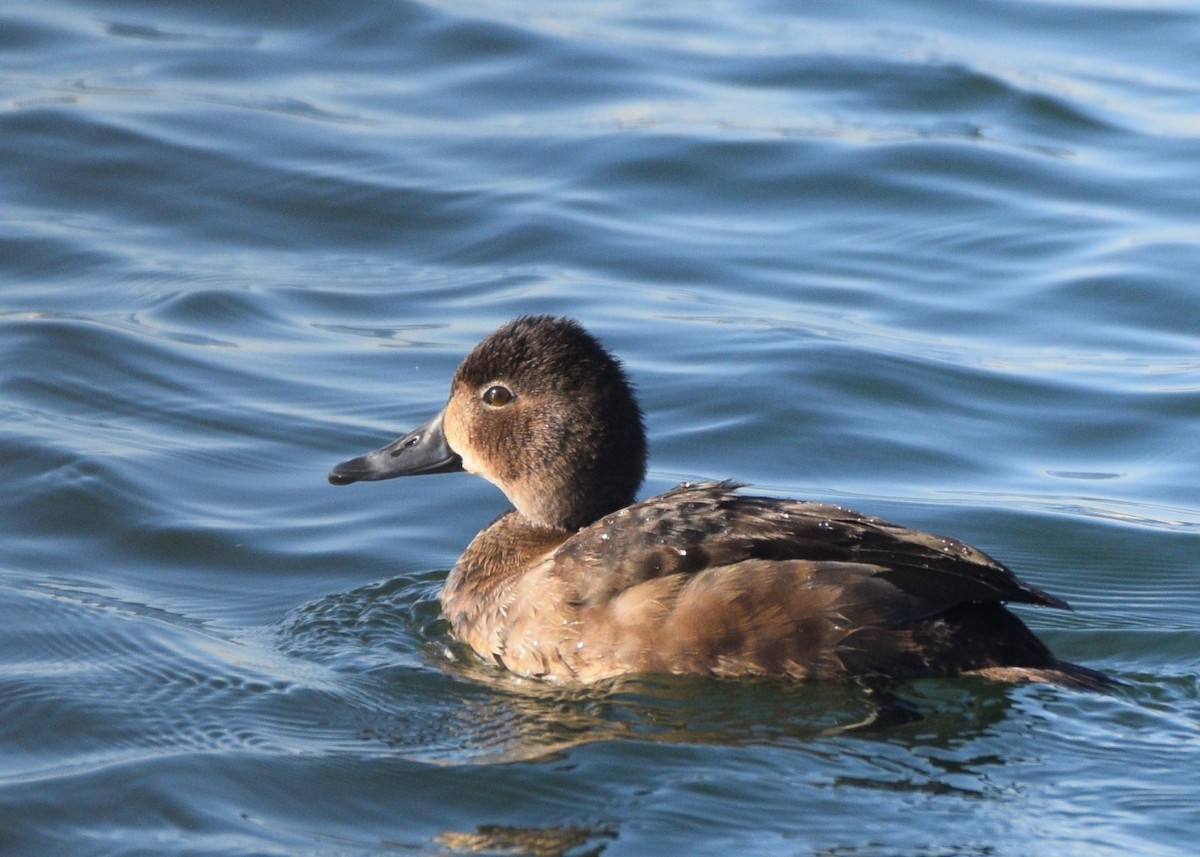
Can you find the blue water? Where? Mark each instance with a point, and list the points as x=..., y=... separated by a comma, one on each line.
x=935, y=261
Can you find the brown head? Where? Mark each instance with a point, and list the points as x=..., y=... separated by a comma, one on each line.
x=542, y=410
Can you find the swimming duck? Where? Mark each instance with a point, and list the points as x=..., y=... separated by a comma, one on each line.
x=579, y=583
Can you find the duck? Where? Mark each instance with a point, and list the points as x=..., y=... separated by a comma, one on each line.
x=580, y=583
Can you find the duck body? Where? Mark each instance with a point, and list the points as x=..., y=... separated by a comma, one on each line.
x=579, y=583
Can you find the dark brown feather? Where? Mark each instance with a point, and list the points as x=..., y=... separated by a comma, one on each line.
x=692, y=527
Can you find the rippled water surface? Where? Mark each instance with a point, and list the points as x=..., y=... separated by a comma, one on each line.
x=936, y=261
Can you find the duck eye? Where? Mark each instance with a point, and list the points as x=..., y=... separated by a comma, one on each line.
x=497, y=396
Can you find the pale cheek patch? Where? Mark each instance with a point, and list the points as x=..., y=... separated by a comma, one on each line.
x=458, y=438
x=454, y=424
x=470, y=464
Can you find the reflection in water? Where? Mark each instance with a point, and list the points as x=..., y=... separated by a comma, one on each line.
x=531, y=841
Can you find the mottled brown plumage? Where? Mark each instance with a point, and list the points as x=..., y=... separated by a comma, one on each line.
x=578, y=583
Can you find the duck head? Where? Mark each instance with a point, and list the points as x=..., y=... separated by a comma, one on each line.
x=540, y=409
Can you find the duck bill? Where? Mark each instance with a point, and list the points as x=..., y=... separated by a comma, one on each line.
x=423, y=450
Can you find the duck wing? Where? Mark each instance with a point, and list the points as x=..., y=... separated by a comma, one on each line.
x=698, y=527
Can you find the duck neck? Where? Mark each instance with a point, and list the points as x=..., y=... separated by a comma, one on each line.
x=493, y=560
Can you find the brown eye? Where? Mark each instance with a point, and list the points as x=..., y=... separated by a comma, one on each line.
x=497, y=396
